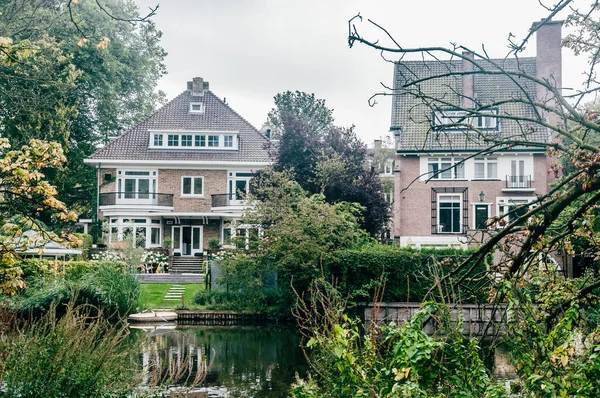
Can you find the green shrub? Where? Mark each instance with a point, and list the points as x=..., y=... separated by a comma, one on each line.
x=76, y=355
x=106, y=285
x=86, y=244
x=34, y=267
x=409, y=274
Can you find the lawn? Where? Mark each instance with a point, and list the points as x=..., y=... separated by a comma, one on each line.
x=152, y=295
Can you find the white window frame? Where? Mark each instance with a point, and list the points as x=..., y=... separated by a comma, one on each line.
x=388, y=167
x=196, y=111
x=175, y=140
x=457, y=163
x=198, y=136
x=486, y=161
x=506, y=201
x=184, y=138
x=460, y=209
x=192, y=182
x=209, y=141
x=233, y=229
x=139, y=198
x=121, y=223
x=460, y=120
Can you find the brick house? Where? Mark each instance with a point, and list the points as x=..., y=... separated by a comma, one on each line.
x=446, y=183
x=179, y=175
x=381, y=159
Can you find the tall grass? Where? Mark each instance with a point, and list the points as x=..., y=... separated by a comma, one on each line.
x=108, y=286
x=80, y=354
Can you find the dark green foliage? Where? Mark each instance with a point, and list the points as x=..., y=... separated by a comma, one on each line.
x=86, y=244
x=105, y=285
x=409, y=274
x=326, y=159
x=271, y=302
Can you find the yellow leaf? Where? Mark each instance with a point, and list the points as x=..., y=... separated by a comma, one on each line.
x=564, y=359
x=82, y=42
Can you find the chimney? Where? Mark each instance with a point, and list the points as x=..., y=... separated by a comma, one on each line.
x=549, y=55
x=468, y=90
x=377, y=145
x=197, y=87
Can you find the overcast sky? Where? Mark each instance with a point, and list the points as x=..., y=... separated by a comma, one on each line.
x=250, y=50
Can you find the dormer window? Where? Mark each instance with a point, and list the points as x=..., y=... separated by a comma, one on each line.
x=196, y=107
x=173, y=140
x=213, y=140
x=454, y=119
x=200, y=140
x=186, y=140
x=193, y=140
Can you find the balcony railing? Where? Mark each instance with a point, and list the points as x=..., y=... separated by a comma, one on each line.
x=518, y=181
x=136, y=198
x=227, y=199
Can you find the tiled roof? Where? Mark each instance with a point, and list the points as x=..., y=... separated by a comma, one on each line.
x=175, y=115
x=411, y=114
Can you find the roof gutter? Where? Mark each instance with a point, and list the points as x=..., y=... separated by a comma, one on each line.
x=158, y=163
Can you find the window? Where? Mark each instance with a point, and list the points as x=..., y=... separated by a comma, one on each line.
x=154, y=235
x=517, y=178
x=193, y=140
x=449, y=214
x=513, y=209
x=486, y=122
x=449, y=210
x=388, y=167
x=226, y=236
x=192, y=186
x=451, y=119
x=137, y=185
x=454, y=119
x=173, y=140
x=196, y=107
x=213, y=140
x=486, y=168
x=186, y=140
x=138, y=232
x=482, y=214
x=446, y=168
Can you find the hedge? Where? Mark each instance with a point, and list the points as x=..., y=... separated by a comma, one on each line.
x=409, y=274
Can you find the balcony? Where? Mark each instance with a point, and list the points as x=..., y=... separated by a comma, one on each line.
x=519, y=183
x=135, y=199
x=227, y=202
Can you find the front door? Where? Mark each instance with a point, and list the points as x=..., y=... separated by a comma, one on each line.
x=187, y=240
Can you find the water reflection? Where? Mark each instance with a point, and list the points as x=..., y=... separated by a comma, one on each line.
x=244, y=361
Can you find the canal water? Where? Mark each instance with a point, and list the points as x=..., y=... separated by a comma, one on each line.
x=240, y=361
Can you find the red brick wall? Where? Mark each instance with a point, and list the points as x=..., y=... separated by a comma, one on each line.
x=412, y=206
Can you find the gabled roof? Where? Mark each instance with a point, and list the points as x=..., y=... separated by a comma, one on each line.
x=411, y=116
x=175, y=115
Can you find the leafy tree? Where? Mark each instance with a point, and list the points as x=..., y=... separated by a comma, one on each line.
x=118, y=64
x=326, y=159
x=299, y=231
x=25, y=196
